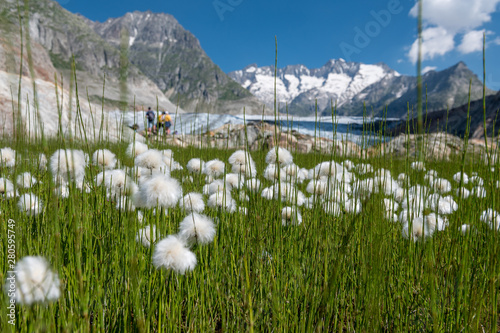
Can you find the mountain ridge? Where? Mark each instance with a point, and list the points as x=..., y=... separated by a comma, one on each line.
x=350, y=87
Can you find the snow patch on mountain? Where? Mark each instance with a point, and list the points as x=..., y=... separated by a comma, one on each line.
x=336, y=81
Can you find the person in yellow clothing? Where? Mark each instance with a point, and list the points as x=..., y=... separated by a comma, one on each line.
x=165, y=122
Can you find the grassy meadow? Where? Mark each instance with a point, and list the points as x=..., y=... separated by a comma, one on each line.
x=345, y=271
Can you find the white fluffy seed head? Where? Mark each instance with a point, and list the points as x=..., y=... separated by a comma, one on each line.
x=214, y=168
x=290, y=216
x=42, y=162
x=172, y=253
x=222, y=200
x=62, y=191
x=197, y=228
x=418, y=166
x=317, y=186
x=463, y=176
x=117, y=183
x=253, y=185
x=478, y=191
x=279, y=156
x=242, y=163
x=30, y=204
x=104, y=159
x=7, y=188
x=25, y=180
x=34, y=281
x=68, y=165
x=234, y=180
x=192, y=202
x=136, y=148
x=353, y=206
x=332, y=208
x=215, y=186
x=441, y=185
x=146, y=236
x=195, y=165
x=151, y=159
x=271, y=172
x=125, y=204
x=7, y=157
x=418, y=229
x=159, y=190
x=491, y=217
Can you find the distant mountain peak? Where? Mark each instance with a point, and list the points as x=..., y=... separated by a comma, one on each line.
x=352, y=85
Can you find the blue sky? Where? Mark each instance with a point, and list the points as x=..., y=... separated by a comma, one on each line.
x=236, y=33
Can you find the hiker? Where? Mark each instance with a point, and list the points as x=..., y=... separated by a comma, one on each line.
x=150, y=116
x=167, y=121
x=161, y=122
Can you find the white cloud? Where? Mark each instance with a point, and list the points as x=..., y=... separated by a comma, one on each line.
x=428, y=69
x=444, y=20
x=435, y=41
x=471, y=42
x=456, y=16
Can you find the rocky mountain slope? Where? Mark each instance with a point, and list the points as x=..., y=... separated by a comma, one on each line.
x=350, y=85
x=172, y=58
x=454, y=121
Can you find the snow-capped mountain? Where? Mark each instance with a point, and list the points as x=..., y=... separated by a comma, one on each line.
x=348, y=86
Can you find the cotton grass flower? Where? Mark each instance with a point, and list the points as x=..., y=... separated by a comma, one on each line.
x=234, y=180
x=463, y=176
x=347, y=164
x=125, y=204
x=463, y=192
x=68, y=165
x=242, y=163
x=104, y=159
x=478, y=191
x=197, y=228
x=25, y=180
x=151, y=159
x=222, y=200
x=447, y=205
x=195, y=165
x=172, y=253
x=146, y=236
x=30, y=204
x=353, y=206
x=272, y=172
x=333, y=208
x=136, y=148
x=418, y=166
x=215, y=186
x=317, y=186
x=159, y=190
x=7, y=157
x=35, y=282
x=491, y=217
x=326, y=169
x=42, y=162
x=476, y=180
x=192, y=202
x=253, y=185
x=418, y=229
x=117, y=183
x=441, y=185
x=7, y=188
x=290, y=216
x=437, y=221
x=214, y=168
x=62, y=191
x=280, y=156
